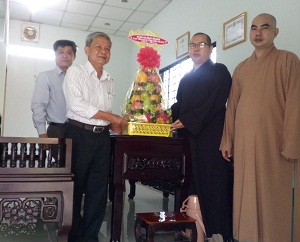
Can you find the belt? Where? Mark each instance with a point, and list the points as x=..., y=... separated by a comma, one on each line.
x=94, y=128
x=57, y=124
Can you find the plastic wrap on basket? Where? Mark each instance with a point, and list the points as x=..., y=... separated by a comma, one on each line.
x=144, y=102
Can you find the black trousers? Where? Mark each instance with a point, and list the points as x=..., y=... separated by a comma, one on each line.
x=90, y=166
x=56, y=131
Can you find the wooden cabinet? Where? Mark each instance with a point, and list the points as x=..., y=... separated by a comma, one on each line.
x=36, y=188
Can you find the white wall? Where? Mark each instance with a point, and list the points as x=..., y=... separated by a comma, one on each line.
x=208, y=16
x=177, y=18
x=2, y=75
x=2, y=66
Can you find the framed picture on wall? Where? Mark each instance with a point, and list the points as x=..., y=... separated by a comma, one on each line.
x=234, y=31
x=182, y=45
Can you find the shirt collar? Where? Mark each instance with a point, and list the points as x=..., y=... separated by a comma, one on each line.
x=91, y=70
x=59, y=71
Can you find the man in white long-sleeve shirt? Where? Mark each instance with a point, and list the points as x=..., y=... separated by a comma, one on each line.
x=89, y=94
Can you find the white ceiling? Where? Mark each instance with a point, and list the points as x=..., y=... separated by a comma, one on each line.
x=113, y=17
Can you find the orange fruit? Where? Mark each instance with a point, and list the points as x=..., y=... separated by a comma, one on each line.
x=142, y=77
x=154, y=97
x=135, y=98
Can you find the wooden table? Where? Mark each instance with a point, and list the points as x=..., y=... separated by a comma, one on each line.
x=144, y=158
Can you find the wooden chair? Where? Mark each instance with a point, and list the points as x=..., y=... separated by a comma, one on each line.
x=35, y=187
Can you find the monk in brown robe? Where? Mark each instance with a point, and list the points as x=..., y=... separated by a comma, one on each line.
x=262, y=133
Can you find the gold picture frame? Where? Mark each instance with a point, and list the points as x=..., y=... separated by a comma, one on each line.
x=182, y=45
x=234, y=31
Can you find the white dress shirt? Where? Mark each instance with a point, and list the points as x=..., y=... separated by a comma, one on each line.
x=86, y=94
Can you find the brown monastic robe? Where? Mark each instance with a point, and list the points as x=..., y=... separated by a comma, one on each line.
x=262, y=128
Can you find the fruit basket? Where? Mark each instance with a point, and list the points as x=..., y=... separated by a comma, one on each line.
x=144, y=107
x=149, y=129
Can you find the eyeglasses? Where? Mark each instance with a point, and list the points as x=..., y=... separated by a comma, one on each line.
x=199, y=45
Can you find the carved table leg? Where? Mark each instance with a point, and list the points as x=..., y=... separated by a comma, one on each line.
x=150, y=231
x=138, y=231
x=131, y=194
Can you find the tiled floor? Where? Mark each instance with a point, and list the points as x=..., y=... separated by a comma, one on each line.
x=146, y=200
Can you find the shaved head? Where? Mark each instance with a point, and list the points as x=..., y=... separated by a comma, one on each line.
x=273, y=20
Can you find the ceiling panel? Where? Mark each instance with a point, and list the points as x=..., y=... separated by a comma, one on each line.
x=130, y=4
x=110, y=12
x=75, y=26
x=113, y=16
x=81, y=7
x=76, y=18
x=141, y=17
x=47, y=14
x=127, y=26
x=153, y=6
x=107, y=24
x=59, y=5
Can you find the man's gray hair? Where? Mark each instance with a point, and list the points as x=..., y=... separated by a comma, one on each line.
x=89, y=39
